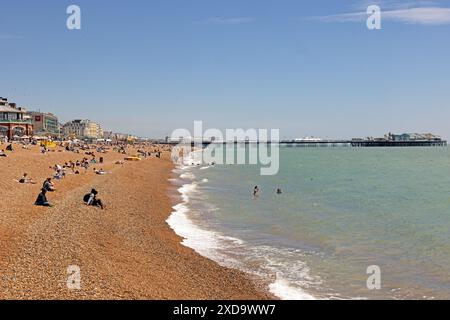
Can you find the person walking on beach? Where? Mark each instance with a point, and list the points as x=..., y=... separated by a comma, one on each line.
x=42, y=199
x=91, y=199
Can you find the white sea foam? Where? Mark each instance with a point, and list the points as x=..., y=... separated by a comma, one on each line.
x=285, y=291
x=186, y=190
x=205, y=242
x=187, y=175
x=193, y=158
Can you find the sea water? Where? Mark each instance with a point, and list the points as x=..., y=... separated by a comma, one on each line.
x=342, y=210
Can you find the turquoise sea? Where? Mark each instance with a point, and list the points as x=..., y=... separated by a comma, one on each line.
x=342, y=210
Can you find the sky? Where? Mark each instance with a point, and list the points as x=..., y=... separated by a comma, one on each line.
x=309, y=67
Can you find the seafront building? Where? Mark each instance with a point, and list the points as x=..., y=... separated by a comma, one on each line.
x=83, y=129
x=14, y=122
x=45, y=124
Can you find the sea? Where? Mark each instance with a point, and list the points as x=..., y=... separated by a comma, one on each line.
x=343, y=213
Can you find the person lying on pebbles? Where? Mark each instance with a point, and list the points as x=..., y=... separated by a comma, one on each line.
x=26, y=179
x=100, y=172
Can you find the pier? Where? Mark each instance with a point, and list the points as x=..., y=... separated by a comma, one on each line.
x=332, y=143
x=365, y=143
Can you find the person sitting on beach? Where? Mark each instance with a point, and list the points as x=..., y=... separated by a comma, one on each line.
x=9, y=147
x=25, y=179
x=42, y=199
x=48, y=185
x=59, y=174
x=3, y=154
x=91, y=199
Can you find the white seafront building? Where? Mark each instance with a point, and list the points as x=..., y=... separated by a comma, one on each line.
x=83, y=129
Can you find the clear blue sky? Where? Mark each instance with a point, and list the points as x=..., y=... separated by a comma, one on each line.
x=149, y=67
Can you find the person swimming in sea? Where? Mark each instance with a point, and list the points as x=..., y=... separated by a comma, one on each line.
x=279, y=191
x=256, y=191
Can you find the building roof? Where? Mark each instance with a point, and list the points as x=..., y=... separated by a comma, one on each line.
x=9, y=109
x=44, y=114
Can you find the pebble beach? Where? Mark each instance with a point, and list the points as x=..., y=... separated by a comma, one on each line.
x=126, y=251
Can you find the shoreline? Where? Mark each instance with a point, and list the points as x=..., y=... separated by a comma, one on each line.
x=216, y=245
x=125, y=252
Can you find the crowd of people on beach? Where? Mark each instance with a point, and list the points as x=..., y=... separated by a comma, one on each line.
x=89, y=158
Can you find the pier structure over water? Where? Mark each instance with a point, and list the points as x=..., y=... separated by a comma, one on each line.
x=334, y=143
x=389, y=140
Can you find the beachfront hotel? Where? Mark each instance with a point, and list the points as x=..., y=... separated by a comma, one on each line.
x=83, y=129
x=45, y=124
x=14, y=121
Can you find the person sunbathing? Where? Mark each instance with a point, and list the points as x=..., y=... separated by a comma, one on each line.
x=100, y=172
x=26, y=179
x=42, y=199
x=3, y=154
